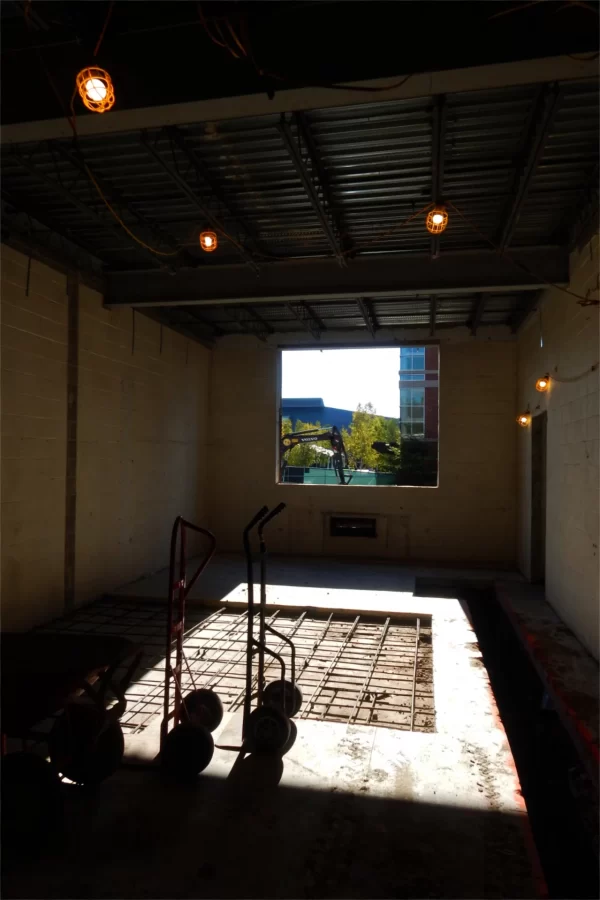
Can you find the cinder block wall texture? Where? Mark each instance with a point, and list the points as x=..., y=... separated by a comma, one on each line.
x=141, y=423
x=470, y=517
x=570, y=348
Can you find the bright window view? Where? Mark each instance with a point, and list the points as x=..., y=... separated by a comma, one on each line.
x=361, y=417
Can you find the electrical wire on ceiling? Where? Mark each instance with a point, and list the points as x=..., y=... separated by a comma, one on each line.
x=246, y=51
x=522, y=6
x=514, y=262
x=72, y=120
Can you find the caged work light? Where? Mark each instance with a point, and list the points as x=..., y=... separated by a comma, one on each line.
x=437, y=219
x=524, y=419
x=543, y=383
x=208, y=241
x=96, y=89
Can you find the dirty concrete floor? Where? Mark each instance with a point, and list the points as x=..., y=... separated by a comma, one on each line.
x=349, y=812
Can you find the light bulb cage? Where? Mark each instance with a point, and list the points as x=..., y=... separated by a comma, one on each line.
x=524, y=419
x=93, y=73
x=208, y=241
x=436, y=227
x=543, y=383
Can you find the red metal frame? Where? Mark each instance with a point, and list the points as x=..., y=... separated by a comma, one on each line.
x=179, y=589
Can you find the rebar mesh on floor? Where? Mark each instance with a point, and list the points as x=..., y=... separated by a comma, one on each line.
x=354, y=669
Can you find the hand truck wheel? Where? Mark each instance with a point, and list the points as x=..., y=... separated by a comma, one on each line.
x=31, y=802
x=268, y=730
x=86, y=745
x=203, y=707
x=276, y=692
x=187, y=750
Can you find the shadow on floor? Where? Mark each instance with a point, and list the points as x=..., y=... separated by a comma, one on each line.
x=563, y=816
x=249, y=836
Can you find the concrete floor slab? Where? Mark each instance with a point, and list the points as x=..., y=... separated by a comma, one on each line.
x=350, y=811
x=292, y=581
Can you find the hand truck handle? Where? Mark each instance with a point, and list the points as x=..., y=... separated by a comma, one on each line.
x=270, y=515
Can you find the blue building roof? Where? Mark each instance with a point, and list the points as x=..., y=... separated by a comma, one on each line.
x=313, y=410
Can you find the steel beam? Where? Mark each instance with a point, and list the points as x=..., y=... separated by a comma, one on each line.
x=477, y=312
x=438, y=142
x=193, y=198
x=366, y=312
x=307, y=318
x=424, y=84
x=432, y=315
x=543, y=112
x=312, y=193
x=87, y=211
x=393, y=276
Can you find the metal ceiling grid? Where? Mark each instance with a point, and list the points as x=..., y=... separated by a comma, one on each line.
x=517, y=162
x=567, y=169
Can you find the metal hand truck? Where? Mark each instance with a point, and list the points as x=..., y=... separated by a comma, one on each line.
x=266, y=728
x=186, y=749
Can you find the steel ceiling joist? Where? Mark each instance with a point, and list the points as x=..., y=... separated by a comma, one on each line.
x=88, y=211
x=307, y=318
x=530, y=303
x=477, y=312
x=438, y=143
x=154, y=233
x=432, y=315
x=304, y=129
x=185, y=189
x=366, y=312
x=543, y=112
x=248, y=320
x=390, y=275
x=312, y=193
x=182, y=144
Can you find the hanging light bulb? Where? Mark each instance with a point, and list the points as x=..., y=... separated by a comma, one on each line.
x=208, y=241
x=524, y=419
x=96, y=89
x=437, y=219
x=543, y=383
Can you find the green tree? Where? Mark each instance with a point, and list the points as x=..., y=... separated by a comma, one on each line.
x=303, y=454
x=366, y=428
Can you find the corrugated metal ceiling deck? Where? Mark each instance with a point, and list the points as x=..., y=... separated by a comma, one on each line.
x=373, y=169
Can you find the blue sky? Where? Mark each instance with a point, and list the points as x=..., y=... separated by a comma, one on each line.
x=344, y=378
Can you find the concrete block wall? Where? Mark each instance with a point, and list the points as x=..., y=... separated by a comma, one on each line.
x=571, y=346
x=34, y=439
x=470, y=517
x=142, y=402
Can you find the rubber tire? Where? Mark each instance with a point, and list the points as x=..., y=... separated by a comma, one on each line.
x=272, y=696
x=85, y=746
x=292, y=738
x=187, y=750
x=31, y=803
x=268, y=730
x=203, y=707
